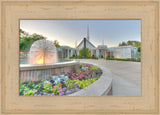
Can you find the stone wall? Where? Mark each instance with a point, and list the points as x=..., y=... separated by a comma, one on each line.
x=38, y=72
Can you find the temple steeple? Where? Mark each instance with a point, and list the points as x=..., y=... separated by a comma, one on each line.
x=87, y=32
x=75, y=43
x=103, y=42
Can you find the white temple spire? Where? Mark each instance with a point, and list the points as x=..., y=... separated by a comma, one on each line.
x=87, y=32
x=75, y=43
x=103, y=42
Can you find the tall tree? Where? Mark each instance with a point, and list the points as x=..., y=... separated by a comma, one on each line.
x=26, y=40
x=56, y=43
x=84, y=52
x=139, y=49
x=132, y=43
x=123, y=44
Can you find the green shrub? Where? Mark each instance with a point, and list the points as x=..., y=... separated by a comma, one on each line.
x=30, y=92
x=120, y=59
x=94, y=57
x=84, y=83
x=138, y=58
x=56, y=89
x=88, y=56
x=94, y=67
x=84, y=52
x=38, y=86
x=108, y=58
x=93, y=79
x=124, y=59
x=47, y=87
x=30, y=84
x=23, y=89
x=69, y=84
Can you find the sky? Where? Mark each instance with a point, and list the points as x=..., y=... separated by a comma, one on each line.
x=67, y=32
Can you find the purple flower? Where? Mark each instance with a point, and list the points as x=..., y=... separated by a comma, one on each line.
x=91, y=75
x=76, y=89
x=64, y=89
x=52, y=94
x=62, y=93
x=69, y=91
x=60, y=90
x=75, y=86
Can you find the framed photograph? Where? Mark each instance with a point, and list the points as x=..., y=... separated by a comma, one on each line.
x=79, y=57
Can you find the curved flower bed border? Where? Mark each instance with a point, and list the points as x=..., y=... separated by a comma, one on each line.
x=63, y=84
x=101, y=87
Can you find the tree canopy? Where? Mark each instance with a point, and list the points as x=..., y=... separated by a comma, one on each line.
x=56, y=43
x=84, y=52
x=132, y=43
x=123, y=44
x=26, y=40
x=139, y=49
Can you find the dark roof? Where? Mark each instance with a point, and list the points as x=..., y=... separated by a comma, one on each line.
x=88, y=42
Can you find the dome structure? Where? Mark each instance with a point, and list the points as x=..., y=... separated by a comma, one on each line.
x=42, y=52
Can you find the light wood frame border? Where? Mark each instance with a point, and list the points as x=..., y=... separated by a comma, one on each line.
x=12, y=11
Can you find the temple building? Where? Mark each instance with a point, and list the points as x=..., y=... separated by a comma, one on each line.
x=101, y=51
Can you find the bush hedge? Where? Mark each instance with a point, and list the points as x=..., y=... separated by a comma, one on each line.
x=80, y=57
x=124, y=59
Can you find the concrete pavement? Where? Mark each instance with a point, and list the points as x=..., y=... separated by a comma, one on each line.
x=126, y=75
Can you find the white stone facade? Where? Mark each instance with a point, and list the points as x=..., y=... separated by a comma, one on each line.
x=101, y=51
x=124, y=52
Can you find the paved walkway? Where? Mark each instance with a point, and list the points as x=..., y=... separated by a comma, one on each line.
x=126, y=75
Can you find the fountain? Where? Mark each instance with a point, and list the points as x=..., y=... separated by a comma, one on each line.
x=42, y=52
x=43, y=63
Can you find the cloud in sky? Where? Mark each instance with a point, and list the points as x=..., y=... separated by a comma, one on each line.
x=68, y=31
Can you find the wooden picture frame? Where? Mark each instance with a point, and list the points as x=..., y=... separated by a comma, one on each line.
x=13, y=11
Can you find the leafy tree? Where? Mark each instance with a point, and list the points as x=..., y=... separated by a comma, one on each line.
x=129, y=43
x=139, y=49
x=123, y=44
x=84, y=52
x=26, y=40
x=37, y=36
x=132, y=43
x=21, y=31
x=56, y=43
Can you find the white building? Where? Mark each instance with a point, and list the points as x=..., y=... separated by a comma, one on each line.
x=124, y=52
x=101, y=51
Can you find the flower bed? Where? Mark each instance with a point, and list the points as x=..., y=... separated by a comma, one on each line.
x=63, y=84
